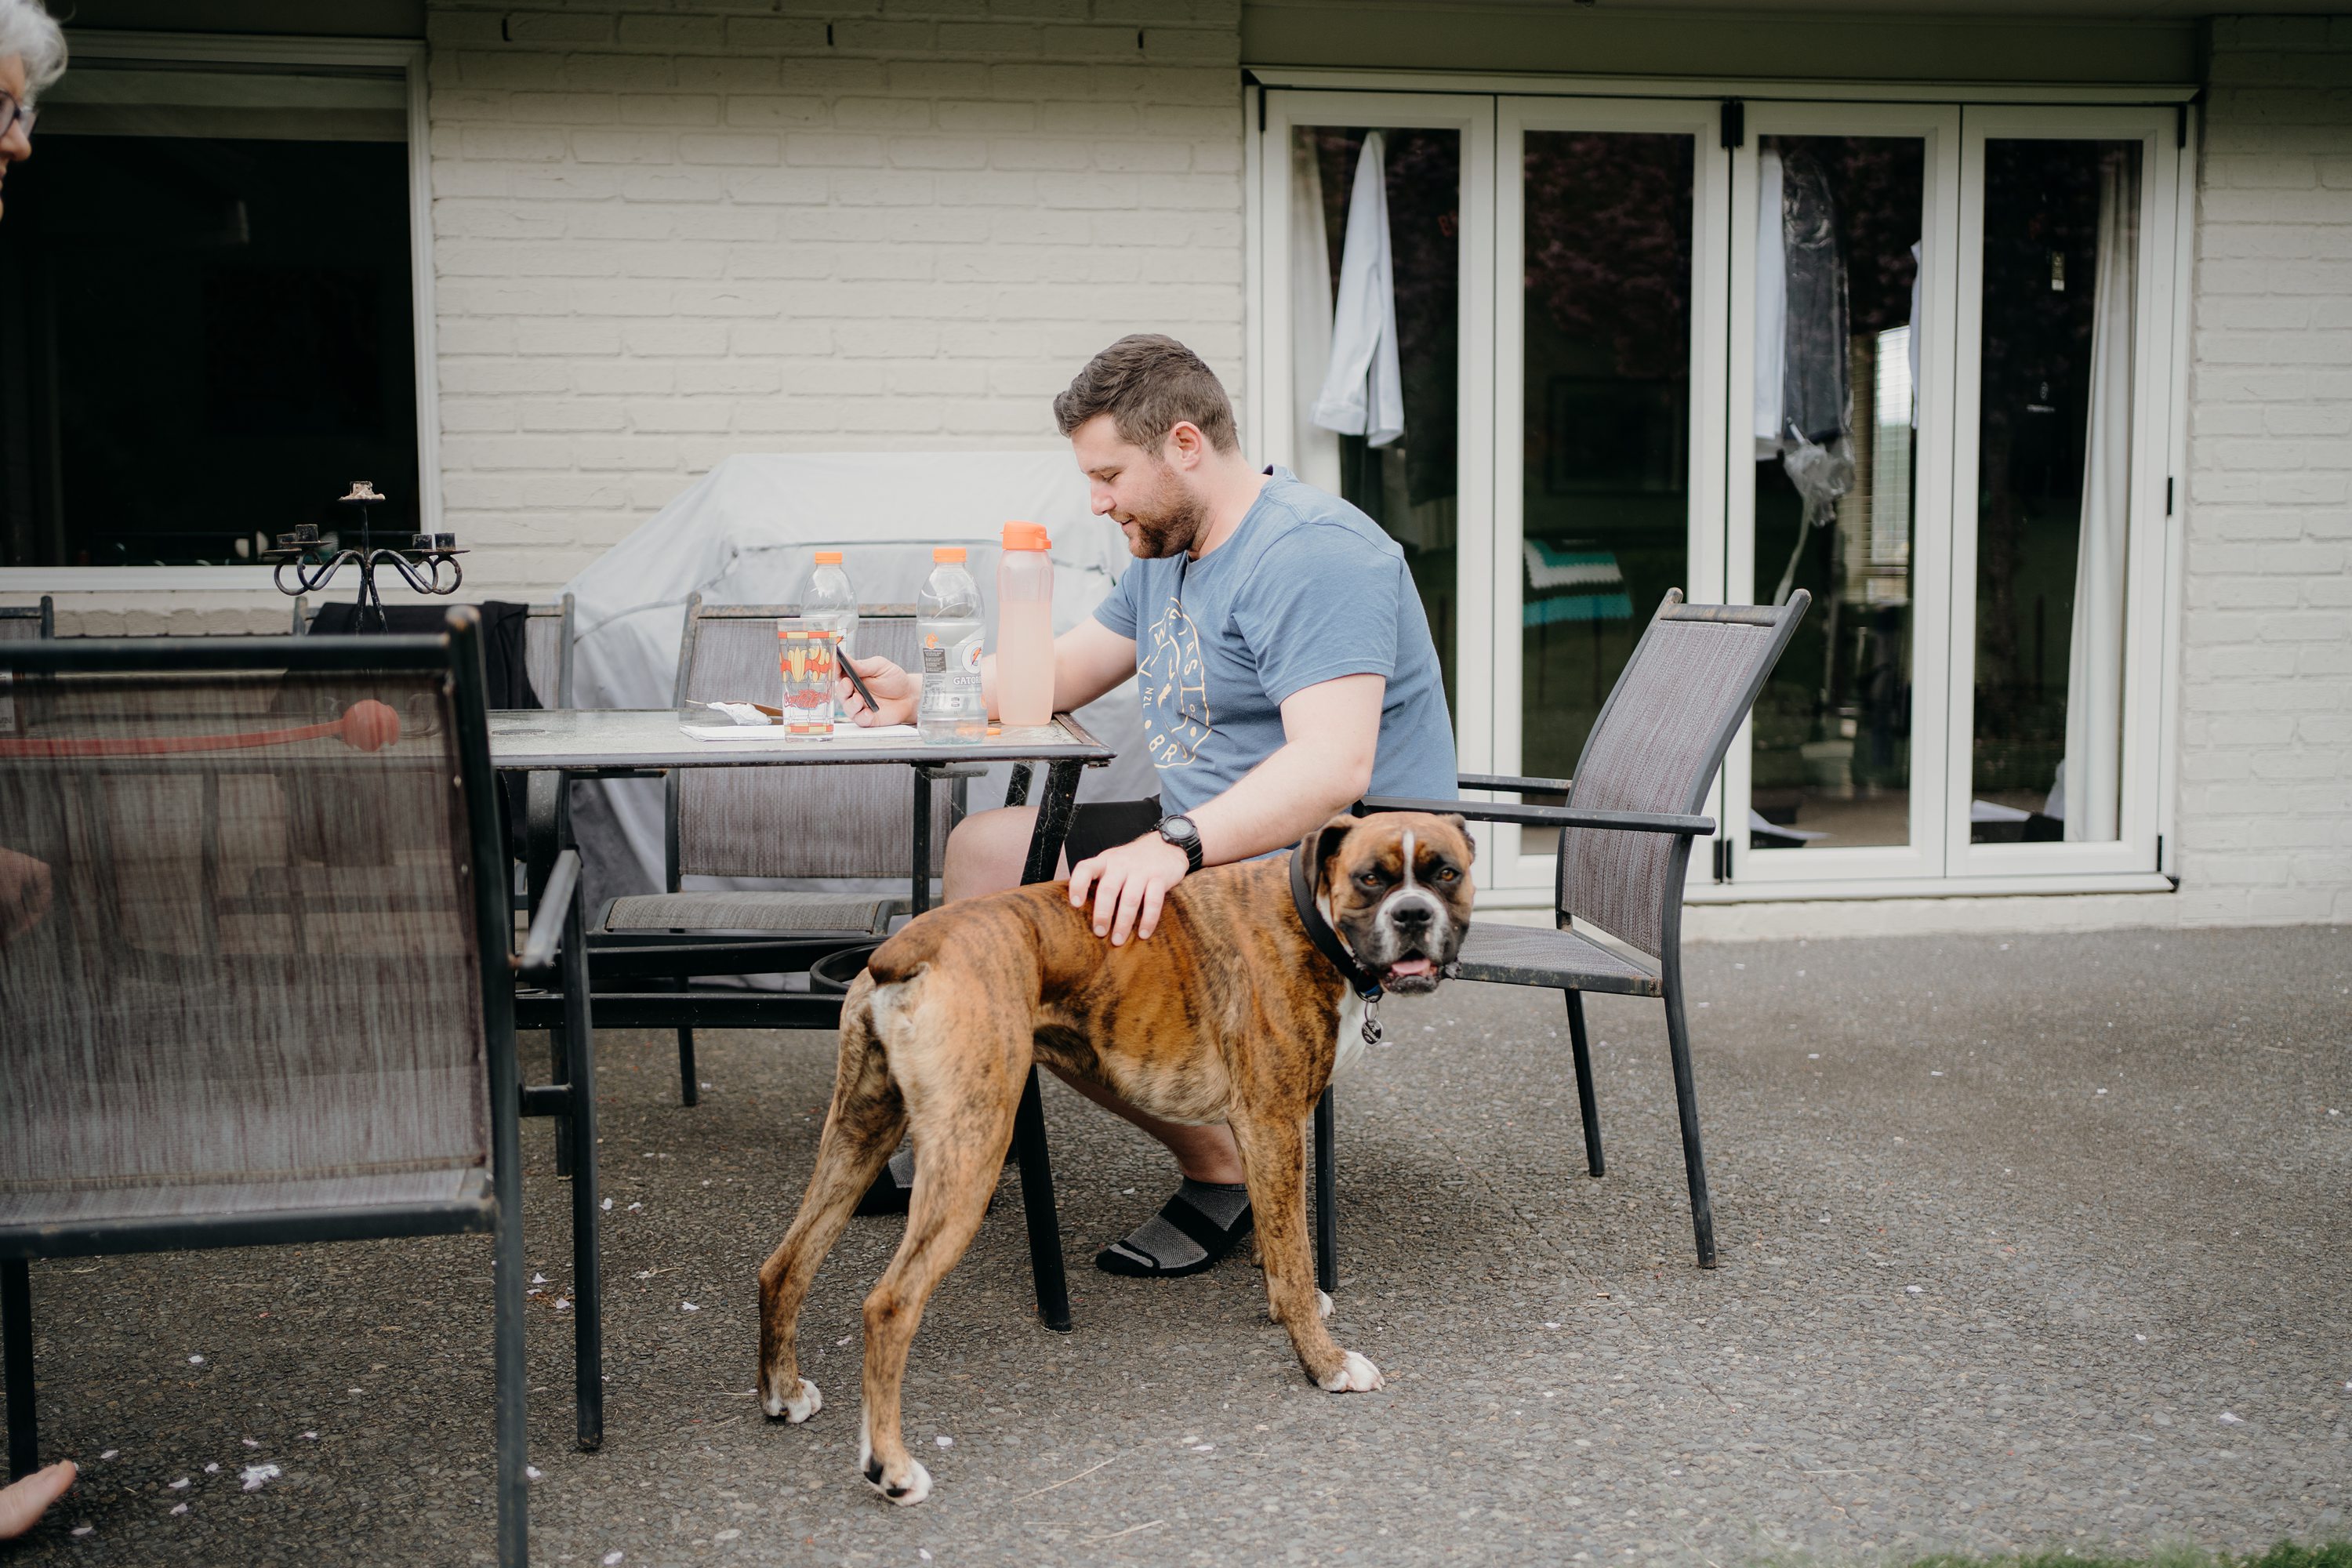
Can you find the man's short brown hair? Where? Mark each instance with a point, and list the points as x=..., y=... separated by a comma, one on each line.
x=1147, y=384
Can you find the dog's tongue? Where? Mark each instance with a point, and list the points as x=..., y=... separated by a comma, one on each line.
x=1411, y=966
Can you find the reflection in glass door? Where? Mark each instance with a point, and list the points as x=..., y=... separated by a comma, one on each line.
x=2063, y=447
x=1378, y=366
x=1834, y=422
x=2061, y=263
x=1843, y=286
x=1609, y=287
x=1605, y=398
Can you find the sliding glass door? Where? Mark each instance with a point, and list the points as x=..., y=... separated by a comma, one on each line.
x=1844, y=223
x=2062, y=447
x=1915, y=360
x=1608, y=410
x=1376, y=359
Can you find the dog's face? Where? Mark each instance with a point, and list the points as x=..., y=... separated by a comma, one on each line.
x=1396, y=887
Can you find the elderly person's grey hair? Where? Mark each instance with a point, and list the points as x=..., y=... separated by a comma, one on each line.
x=31, y=33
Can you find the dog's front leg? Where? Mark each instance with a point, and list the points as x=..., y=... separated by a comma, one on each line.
x=1274, y=1149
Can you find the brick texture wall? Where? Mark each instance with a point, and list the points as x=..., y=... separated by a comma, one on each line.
x=2265, y=754
x=664, y=235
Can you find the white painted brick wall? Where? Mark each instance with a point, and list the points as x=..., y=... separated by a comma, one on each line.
x=2266, y=753
x=664, y=236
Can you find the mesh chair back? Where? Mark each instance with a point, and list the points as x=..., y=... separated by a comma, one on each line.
x=26, y=621
x=547, y=652
x=1656, y=747
x=836, y=820
x=252, y=982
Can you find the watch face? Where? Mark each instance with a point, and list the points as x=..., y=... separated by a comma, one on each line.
x=1179, y=829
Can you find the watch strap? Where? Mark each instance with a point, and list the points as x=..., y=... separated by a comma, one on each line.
x=1189, y=842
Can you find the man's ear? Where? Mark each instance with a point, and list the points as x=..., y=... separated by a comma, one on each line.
x=1320, y=846
x=1185, y=445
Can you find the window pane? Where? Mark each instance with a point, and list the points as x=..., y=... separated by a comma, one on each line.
x=2053, y=482
x=201, y=340
x=1381, y=430
x=1605, y=475
x=1835, y=432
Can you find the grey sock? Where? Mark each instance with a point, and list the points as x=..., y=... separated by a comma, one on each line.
x=902, y=1166
x=1157, y=1245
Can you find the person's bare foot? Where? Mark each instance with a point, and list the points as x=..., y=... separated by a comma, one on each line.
x=22, y=1503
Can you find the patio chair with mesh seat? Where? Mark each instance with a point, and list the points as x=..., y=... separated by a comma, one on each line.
x=268, y=997
x=1634, y=808
x=849, y=822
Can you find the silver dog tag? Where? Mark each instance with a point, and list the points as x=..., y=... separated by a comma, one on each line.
x=1372, y=1021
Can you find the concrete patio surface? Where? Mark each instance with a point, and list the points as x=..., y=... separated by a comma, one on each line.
x=2038, y=1242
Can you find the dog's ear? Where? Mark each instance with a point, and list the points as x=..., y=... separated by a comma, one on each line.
x=1320, y=846
x=1462, y=825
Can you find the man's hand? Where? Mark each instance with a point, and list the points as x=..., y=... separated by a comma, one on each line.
x=1130, y=883
x=894, y=688
x=24, y=893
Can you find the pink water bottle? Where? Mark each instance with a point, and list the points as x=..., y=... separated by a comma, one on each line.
x=1024, y=626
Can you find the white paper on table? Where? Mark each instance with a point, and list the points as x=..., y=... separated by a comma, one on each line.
x=733, y=734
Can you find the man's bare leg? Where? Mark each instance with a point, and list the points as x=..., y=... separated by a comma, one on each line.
x=986, y=853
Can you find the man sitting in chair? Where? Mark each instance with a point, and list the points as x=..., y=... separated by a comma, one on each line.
x=1286, y=671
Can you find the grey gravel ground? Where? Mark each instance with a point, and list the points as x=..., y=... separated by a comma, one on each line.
x=2030, y=1244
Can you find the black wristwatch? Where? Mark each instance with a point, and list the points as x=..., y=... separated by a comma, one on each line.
x=1179, y=831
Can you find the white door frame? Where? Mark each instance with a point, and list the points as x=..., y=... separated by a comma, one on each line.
x=1939, y=127
x=1272, y=406
x=1525, y=862
x=2152, y=428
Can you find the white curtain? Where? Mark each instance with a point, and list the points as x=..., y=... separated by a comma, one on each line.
x=1363, y=392
x=1771, y=306
x=1313, y=451
x=2089, y=781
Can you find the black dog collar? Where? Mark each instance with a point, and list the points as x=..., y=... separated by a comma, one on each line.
x=1327, y=942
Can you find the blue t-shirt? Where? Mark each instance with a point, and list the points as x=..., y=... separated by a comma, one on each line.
x=1307, y=589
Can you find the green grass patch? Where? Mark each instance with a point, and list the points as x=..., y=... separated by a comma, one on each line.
x=2286, y=1555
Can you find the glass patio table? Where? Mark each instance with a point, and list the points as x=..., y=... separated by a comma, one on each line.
x=553, y=746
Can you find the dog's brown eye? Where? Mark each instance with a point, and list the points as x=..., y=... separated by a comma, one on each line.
x=1448, y=874
x=1368, y=878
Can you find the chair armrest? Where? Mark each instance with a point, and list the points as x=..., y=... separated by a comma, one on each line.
x=546, y=934
x=1514, y=784
x=1547, y=815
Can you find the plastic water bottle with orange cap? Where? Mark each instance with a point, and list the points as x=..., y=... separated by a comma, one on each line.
x=1024, y=626
x=947, y=636
x=830, y=604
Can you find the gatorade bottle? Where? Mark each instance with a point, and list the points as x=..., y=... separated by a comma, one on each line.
x=1024, y=626
x=829, y=603
x=946, y=634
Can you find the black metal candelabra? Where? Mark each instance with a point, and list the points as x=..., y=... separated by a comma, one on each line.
x=315, y=561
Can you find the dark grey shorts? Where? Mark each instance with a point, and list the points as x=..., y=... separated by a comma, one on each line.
x=1102, y=825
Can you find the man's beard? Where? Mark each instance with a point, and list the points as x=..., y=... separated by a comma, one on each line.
x=1171, y=526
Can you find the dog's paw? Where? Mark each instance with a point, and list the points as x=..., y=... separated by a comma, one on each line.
x=907, y=1487
x=905, y=1484
x=803, y=1403
x=1354, y=1375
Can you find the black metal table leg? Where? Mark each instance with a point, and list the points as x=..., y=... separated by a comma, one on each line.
x=920, y=872
x=1327, y=1197
x=542, y=841
x=1029, y=1124
x=579, y=1131
x=16, y=1330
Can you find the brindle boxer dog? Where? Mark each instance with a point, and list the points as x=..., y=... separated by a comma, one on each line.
x=1227, y=1012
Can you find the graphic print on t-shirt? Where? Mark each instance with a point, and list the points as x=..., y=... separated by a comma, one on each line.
x=1175, y=691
